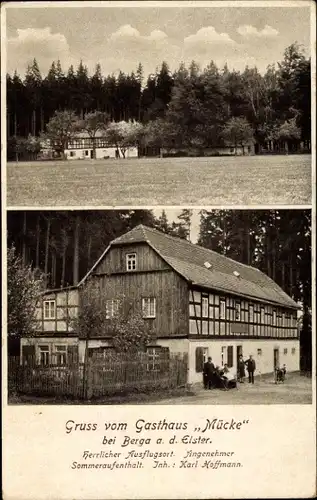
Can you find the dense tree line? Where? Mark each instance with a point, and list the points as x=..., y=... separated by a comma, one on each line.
x=190, y=107
x=65, y=244
x=278, y=242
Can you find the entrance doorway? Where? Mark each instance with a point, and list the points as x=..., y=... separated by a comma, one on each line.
x=92, y=154
x=239, y=353
x=276, y=354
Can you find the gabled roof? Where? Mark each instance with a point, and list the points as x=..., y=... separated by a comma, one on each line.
x=225, y=274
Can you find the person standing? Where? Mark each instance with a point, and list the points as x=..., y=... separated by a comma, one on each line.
x=208, y=373
x=251, y=368
x=241, y=369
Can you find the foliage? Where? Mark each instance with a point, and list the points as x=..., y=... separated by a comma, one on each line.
x=194, y=103
x=24, y=287
x=61, y=128
x=127, y=329
x=288, y=131
x=237, y=132
x=124, y=135
x=91, y=318
x=162, y=133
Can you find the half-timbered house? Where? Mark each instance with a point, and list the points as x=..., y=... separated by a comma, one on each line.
x=194, y=301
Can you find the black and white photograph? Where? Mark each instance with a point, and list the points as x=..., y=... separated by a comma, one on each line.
x=115, y=307
x=158, y=106
x=158, y=249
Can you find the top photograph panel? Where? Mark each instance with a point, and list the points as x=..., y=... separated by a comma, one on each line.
x=146, y=106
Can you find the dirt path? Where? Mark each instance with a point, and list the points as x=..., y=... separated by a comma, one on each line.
x=296, y=390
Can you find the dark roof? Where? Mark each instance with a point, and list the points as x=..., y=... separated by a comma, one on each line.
x=188, y=260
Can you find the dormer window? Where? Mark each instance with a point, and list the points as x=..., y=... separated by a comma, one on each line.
x=131, y=261
x=49, y=309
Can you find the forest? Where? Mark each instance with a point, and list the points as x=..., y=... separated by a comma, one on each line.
x=64, y=245
x=188, y=107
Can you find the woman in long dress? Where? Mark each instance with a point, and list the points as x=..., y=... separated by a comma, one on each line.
x=241, y=369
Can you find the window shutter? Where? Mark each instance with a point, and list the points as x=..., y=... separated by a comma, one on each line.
x=199, y=359
x=164, y=353
x=73, y=357
x=28, y=354
x=230, y=356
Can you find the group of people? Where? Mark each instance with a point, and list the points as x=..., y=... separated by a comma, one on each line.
x=250, y=365
x=224, y=376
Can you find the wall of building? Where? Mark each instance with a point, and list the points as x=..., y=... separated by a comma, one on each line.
x=168, y=289
x=115, y=259
x=216, y=151
x=152, y=278
x=101, y=153
x=66, y=308
x=241, y=317
x=261, y=349
x=50, y=344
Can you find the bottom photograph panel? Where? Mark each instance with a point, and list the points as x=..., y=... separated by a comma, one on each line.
x=159, y=307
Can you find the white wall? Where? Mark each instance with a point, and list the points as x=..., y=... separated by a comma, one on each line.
x=62, y=298
x=93, y=343
x=101, y=153
x=264, y=361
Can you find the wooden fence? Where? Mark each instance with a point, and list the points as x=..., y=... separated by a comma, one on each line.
x=98, y=377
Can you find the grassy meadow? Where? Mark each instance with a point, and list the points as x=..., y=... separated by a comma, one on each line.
x=250, y=180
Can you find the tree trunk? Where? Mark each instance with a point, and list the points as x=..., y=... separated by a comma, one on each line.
x=47, y=248
x=15, y=125
x=76, y=251
x=42, y=119
x=248, y=239
x=34, y=123
x=88, y=253
x=53, y=269
x=283, y=276
x=24, y=239
x=63, y=265
x=37, y=252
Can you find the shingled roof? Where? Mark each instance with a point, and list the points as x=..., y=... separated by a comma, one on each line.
x=224, y=275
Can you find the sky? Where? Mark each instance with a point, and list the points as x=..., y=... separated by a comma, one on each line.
x=172, y=215
x=120, y=37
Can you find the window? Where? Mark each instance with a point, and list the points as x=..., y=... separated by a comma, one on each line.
x=149, y=307
x=283, y=319
x=251, y=313
x=285, y=350
x=86, y=152
x=293, y=350
x=259, y=351
x=238, y=311
x=274, y=318
x=262, y=316
x=205, y=307
x=44, y=355
x=60, y=354
x=231, y=150
x=112, y=307
x=153, y=358
x=222, y=308
x=131, y=261
x=72, y=153
x=49, y=309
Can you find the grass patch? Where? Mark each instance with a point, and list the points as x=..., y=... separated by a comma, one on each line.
x=250, y=180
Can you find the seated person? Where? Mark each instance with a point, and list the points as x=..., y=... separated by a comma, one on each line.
x=229, y=376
